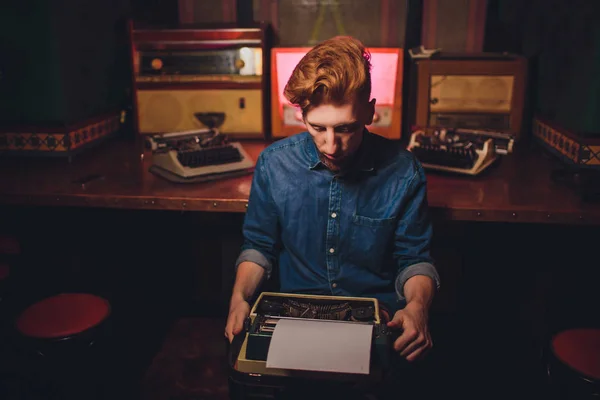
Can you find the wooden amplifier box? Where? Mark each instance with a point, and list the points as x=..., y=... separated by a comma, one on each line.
x=181, y=72
x=469, y=91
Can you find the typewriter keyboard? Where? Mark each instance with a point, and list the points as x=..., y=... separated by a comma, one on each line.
x=450, y=157
x=209, y=156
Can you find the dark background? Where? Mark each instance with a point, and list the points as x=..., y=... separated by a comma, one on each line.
x=67, y=60
x=506, y=287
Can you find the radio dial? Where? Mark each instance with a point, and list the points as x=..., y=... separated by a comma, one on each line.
x=239, y=63
x=156, y=64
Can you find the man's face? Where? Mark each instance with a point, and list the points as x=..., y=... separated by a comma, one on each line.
x=338, y=131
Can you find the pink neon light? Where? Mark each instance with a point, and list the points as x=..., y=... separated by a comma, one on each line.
x=383, y=74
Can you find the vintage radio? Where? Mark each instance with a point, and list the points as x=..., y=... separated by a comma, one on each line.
x=387, y=67
x=249, y=350
x=183, y=71
x=484, y=92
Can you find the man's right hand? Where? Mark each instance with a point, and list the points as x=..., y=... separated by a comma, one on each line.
x=239, y=310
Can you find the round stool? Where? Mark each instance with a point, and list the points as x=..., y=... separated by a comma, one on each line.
x=574, y=363
x=62, y=332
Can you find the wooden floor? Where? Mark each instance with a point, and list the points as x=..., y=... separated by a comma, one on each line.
x=192, y=365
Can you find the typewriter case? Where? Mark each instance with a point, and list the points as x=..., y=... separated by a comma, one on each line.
x=248, y=352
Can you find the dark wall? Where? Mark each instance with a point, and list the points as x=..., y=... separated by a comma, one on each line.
x=30, y=88
x=562, y=41
x=68, y=60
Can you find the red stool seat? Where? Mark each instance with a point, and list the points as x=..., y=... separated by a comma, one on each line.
x=63, y=315
x=579, y=349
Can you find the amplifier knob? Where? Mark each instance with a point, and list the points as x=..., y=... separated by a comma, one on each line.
x=239, y=63
x=157, y=64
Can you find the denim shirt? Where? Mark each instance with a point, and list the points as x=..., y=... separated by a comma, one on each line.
x=362, y=234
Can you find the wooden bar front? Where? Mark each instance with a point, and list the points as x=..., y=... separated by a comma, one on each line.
x=518, y=189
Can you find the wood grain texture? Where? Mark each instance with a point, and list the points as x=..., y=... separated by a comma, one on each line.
x=517, y=189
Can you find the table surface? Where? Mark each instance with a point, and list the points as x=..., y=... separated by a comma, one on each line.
x=517, y=189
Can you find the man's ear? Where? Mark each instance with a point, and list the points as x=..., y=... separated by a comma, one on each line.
x=371, y=111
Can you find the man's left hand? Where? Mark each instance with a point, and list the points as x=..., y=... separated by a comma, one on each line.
x=415, y=339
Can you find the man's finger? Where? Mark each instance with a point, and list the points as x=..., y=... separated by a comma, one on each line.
x=408, y=336
x=228, y=333
x=396, y=322
x=230, y=327
x=416, y=354
x=420, y=352
x=237, y=324
x=417, y=343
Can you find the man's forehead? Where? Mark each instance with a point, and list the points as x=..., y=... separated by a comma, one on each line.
x=332, y=115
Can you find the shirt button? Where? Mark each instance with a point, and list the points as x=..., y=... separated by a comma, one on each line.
x=334, y=285
x=333, y=215
x=332, y=250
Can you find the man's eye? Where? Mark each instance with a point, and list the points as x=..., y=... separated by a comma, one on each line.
x=343, y=130
x=318, y=128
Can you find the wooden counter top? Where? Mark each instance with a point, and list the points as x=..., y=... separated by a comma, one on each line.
x=518, y=189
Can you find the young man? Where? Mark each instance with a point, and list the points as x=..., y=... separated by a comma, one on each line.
x=339, y=210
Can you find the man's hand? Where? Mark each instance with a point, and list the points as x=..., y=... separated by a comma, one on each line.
x=415, y=339
x=239, y=310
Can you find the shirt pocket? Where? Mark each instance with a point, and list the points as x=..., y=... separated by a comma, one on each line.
x=371, y=242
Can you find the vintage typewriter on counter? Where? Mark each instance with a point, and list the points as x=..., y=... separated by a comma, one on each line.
x=250, y=348
x=457, y=150
x=198, y=155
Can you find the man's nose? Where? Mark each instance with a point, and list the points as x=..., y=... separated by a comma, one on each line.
x=330, y=142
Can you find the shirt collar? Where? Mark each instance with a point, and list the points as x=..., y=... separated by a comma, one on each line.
x=364, y=160
x=313, y=153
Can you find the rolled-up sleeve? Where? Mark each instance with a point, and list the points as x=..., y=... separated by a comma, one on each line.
x=414, y=234
x=261, y=224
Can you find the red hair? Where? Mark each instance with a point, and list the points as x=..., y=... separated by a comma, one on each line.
x=336, y=71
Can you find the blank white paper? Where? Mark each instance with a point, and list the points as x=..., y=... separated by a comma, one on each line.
x=322, y=345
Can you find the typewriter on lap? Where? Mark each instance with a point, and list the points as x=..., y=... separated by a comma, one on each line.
x=199, y=155
x=457, y=150
x=249, y=350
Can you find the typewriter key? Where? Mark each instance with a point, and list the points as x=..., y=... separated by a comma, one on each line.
x=269, y=307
